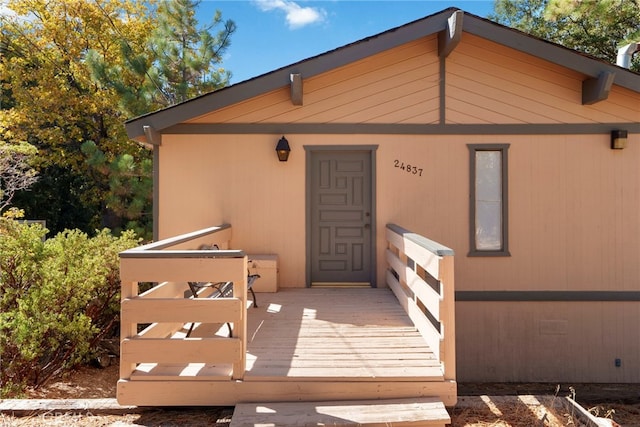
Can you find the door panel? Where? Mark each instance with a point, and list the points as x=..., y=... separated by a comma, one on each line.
x=340, y=215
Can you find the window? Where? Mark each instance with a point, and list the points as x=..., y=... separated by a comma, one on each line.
x=488, y=201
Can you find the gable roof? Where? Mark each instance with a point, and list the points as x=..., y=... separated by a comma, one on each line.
x=589, y=66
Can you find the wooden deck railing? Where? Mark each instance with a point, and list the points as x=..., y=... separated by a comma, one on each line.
x=421, y=276
x=170, y=264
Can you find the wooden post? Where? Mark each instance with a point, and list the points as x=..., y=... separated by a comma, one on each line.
x=447, y=318
x=127, y=329
x=240, y=330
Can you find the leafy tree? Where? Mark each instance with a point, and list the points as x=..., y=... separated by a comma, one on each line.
x=50, y=100
x=595, y=27
x=55, y=104
x=73, y=70
x=16, y=172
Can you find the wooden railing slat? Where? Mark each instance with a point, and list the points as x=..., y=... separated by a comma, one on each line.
x=181, y=269
x=422, y=256
x=223, y=232
x=423, y=325
x=421, y=289
x=410, y=289
x=205, y=310
x=189, y=350
x=166, y=290
x=448, y=318
x=159, y=330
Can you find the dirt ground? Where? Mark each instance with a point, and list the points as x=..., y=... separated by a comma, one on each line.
x=619, y=402
x=500, y=405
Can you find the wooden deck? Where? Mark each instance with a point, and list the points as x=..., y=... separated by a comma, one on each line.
x=312, y=344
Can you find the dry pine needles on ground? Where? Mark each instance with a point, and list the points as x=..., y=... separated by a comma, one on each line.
x=512, y=406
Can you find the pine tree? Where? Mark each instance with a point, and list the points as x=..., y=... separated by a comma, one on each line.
x=180, y=61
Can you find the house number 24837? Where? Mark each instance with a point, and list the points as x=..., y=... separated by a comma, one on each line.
x=408, y=168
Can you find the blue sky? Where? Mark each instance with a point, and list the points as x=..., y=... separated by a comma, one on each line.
x=273, y=33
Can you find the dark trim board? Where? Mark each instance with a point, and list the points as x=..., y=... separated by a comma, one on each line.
x=548, y=296
x=399, y=129
x=156, y=193
x=371, y=148
x=443, y=93
x=597, y=89
x=449, y=39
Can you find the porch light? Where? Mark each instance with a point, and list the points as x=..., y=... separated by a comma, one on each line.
x=618, y=139
x=283, y=149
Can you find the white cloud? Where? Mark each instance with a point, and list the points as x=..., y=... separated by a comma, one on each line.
x=296, y=15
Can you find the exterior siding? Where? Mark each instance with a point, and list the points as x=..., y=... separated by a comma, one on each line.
x=396, y=86
x=490, y=83
x=574, y=208
x=568, y=229
x=574, y=204
x=237, y=179
x=556, y=342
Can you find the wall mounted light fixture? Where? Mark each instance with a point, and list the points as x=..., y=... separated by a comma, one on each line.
x=283, y=149
x=618, y=139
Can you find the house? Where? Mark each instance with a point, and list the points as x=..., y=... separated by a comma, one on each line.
x=520, y=155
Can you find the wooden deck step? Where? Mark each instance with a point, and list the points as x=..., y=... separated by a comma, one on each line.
x=395, y=412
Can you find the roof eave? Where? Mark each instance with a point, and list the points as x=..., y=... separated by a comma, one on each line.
x=481, y=27
x=273, y=80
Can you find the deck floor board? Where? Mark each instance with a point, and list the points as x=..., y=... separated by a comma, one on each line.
x=328, y=333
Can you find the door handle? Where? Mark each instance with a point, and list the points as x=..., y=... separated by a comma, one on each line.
x=367, y=226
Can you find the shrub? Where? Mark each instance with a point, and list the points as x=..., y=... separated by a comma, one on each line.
x=58, y=298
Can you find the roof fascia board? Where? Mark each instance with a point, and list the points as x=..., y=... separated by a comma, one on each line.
x=170, y=116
